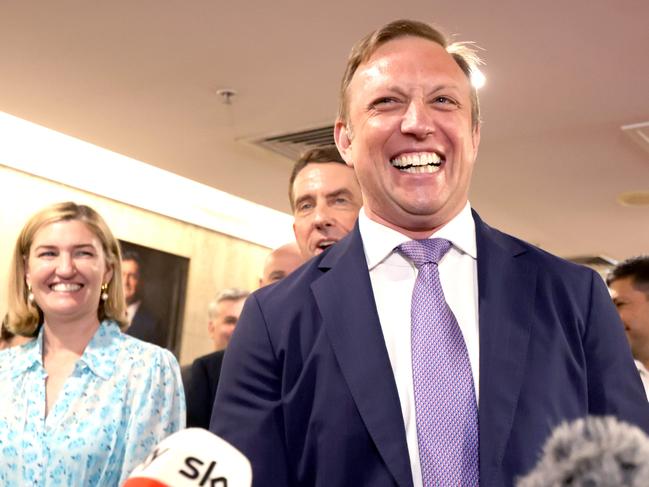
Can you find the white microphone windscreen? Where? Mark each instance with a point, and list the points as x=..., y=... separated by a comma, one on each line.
x=192, y=457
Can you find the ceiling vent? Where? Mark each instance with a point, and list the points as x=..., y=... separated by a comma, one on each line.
x=293, y=144
x=639, y=132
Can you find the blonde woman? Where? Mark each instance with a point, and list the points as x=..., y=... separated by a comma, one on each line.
x=82, y=404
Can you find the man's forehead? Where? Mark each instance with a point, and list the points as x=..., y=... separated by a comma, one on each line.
x=131, y=265
x=316, y=175
x=425, y=53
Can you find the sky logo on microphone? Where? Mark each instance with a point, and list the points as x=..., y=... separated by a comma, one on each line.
x=195, y=465
x=190, y=458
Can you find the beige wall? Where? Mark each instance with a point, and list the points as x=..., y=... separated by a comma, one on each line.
x=216, y=260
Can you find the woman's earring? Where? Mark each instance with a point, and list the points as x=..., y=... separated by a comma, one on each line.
x=30, y=294
x=104, y=292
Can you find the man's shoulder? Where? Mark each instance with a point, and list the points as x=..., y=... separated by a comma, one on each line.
x=489, y=236
x=346, y=253
x=143, y=315
x=210, y=358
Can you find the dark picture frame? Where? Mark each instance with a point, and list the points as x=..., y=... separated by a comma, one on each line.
x=163, y=281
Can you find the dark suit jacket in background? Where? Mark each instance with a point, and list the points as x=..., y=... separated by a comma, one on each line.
x=200, y=393
x=147, y=328
x=307, y=391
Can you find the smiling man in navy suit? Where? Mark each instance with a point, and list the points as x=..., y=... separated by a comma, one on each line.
x=318, y=387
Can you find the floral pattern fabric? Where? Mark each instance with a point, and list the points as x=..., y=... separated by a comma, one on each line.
x=122, y=398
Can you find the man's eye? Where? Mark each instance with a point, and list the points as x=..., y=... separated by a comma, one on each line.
x=341, y=201
x=445, y=100
x=383, y=101
x=304, y=206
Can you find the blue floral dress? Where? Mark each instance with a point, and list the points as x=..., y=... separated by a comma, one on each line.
x=122, y=398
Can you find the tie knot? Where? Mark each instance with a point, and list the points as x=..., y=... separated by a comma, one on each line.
x=425, y=251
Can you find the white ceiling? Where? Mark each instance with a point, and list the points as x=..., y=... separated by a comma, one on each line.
x=139, y=77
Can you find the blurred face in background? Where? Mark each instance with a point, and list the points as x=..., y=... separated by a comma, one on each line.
x=633, y=307
x=280, y=263
x=66, y=268
x=224, y=321
x=130, y=280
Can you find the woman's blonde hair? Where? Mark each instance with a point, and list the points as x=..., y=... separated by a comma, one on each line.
x=25, y=317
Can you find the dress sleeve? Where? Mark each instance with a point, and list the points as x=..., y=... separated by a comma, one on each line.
x=158, y=407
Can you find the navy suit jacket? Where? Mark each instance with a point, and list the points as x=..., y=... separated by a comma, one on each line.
x=201, y=389
x=146, y=327
x=307, y=390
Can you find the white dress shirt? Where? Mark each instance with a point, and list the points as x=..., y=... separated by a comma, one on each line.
x=393, y=280
x=131, y=309
x=644, y=375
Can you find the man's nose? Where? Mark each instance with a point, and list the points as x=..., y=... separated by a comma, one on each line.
x=418, y=120
x=322, y=218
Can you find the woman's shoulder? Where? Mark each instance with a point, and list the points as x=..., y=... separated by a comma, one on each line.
x=17, y=357
x=137, y=351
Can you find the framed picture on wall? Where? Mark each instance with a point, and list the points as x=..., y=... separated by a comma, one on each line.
x=155, y=283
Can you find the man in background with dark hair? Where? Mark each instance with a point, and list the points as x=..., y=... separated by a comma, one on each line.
x=142, y=323
x=629, y=285
x=325, y=198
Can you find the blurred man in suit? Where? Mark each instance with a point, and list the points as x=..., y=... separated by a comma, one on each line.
x=366, y=368
x=223, y=314
x=280, y=263
x=142, y=323
x=325, y=198
x=629, y=285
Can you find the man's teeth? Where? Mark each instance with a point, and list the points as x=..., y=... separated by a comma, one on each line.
x=325, y=244
x=65, y=287
x=425, y=162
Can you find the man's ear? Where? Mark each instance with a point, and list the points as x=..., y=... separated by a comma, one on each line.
x=342, y=136
x=475, y=136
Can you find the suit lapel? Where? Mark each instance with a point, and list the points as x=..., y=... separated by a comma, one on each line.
x=507, y=290
x=345, y=300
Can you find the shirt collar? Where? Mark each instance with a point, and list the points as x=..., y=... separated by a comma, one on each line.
x=641, y=368
x=99, y=356
x=101, y=352
x=380, y=241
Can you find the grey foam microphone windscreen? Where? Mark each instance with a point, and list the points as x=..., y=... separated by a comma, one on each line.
x=592, y=452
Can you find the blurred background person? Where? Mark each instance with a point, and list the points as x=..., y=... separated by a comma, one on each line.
x=280, y=263
x=325, y=199
x=629, y=285
x=83, y=403
x=223, y=314
x=142, y=323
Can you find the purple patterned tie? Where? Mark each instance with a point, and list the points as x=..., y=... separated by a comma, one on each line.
x=445, y=403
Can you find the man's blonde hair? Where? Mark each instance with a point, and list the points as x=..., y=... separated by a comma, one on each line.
x=465, y=57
